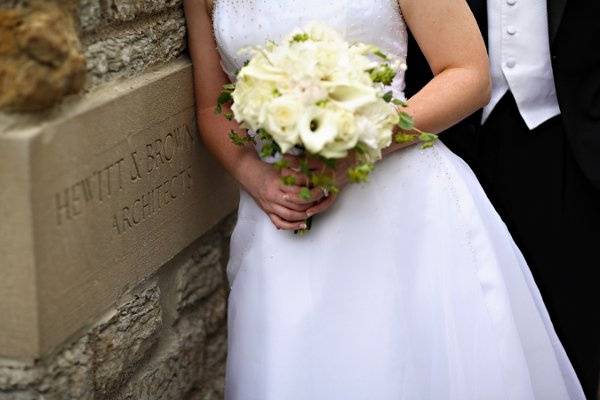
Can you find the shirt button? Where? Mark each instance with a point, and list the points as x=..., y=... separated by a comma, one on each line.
x=511, y=30
x=510, y=63
x=511, y=2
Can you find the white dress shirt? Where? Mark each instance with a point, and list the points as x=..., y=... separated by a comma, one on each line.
x=519, y=51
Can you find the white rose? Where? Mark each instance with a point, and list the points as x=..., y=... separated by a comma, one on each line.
x=345, y=140
x=280, y=118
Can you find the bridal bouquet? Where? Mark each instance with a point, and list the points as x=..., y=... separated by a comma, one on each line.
x=316, y=95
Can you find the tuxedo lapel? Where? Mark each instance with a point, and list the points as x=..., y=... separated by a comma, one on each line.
x=556, y=8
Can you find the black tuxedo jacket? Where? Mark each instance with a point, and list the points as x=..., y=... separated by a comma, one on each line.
x=574, y=35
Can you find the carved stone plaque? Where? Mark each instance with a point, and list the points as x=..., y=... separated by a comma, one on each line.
x=95, y=200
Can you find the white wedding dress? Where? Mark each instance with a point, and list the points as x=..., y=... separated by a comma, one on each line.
x=408, y=288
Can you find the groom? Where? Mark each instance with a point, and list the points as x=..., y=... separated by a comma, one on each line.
x=536, y=151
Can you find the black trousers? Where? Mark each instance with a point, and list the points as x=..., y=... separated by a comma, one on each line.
x=553, y=213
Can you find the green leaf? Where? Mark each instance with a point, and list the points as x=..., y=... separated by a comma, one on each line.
x=406, y=121
x=380, y=54
x=224, y=98
x=280, y=164
x=240, y=140
x=384, y=74
x=329, y=162
x=229, y=116
x=229, y=87
x=300, y=37
x=304, y=167
x=427, y=137
x=263, y=134
x=288, y=180
x=360, y=173
x=387, y=97
x=322, y=103
x=399, y=102
x=404, y=138
x=361, y=148
x=304, y=193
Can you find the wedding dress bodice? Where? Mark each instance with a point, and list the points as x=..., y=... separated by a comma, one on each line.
x=241, y=23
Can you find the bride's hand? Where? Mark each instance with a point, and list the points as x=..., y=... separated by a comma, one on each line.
x=282, y=203
x=339, y=175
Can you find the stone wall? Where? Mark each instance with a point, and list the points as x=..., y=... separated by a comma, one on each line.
x=89, y=311
x=163, y=339
x=50, y=49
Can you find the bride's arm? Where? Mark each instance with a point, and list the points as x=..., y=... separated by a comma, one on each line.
x=285, y=209
x=449, y=38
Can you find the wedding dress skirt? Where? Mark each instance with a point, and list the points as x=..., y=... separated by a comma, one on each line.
x=409, y=287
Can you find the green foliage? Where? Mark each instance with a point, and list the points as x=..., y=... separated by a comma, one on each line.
x=324, y=181
x=322, y=103
x=304, y=166
x=399, y=102
x=224, y=97
x=229, y=116
x=405, y=121
x=403, y=137
x=304, y=193
x=380, y=54
x=280, y=164
x=427, y=139
x=300, y=37
x=388, y=96
x=288, y=180
x=361, y=148
x=382, y=74
x=360, y=173
x=264, y=135
x=240, y=140
x=329, y=162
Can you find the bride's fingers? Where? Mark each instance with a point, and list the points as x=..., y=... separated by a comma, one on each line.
x=287, y=214
x=283, y=224
x=299, y=178
x=292, y=194
x=312, y=162
x=302, y=207
x=321, y=206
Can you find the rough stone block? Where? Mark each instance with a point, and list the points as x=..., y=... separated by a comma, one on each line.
x=126, y=10
x=197, y=279
x=90, y=15
x=40, y=58
x=214, y=311
x=173, y=373
x=157, y=41
x=64, y=375
x=125, y=339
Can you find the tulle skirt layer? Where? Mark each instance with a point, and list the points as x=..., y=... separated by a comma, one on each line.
x=409, y=287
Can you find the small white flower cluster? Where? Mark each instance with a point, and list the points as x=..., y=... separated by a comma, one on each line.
x=319, y=92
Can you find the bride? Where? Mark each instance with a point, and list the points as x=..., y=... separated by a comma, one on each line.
x=407, y=287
